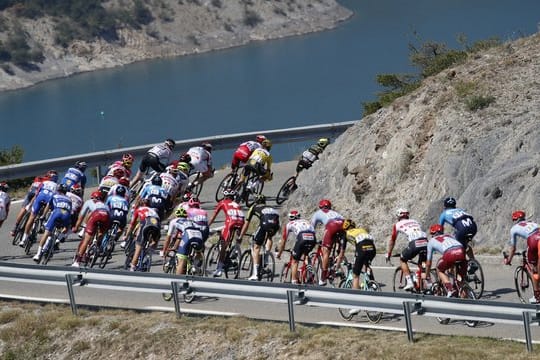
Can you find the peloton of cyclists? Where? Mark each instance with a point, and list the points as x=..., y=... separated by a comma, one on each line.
x=417, y=243
x=529, y=231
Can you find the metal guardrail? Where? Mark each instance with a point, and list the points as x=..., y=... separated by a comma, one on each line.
x=402, y=304
x=220, y=142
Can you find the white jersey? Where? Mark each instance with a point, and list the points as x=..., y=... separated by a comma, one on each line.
x=76, y=202
x=108, y=182
x=410, y=228
x=522, y=229
x=170, y=183
x=200, y=159
x=174, y=225
x=162, y=152
x=323, y=217
x=5, y=200
x=296, y=227
x=251, y=145
x=48, y=187
x=440, y=244
x=309, y=156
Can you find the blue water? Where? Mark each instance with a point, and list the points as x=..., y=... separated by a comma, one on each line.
x=312, y=79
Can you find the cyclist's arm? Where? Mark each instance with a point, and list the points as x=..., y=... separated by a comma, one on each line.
x=392, y=241
x=215, y=214
x=283, y=241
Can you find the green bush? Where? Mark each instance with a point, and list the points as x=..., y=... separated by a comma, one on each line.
x=252, y=18
x=478, y=102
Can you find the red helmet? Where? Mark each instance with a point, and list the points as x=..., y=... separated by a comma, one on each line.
x=124, y=181
x=118, y=173
x=76, y=189
x=436, y=229
x=260, y=138
x=325, y=204
x=518, y=215
x=194, y=202
x=293, y=215
x=97, y=195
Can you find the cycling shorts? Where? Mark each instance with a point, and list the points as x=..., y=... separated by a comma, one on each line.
x=303, y=164
x=97, y=216
x=185, y=246
x=120, y=216
x=150, y=227
x=305, y=242
x=332, y=228
x=230, y=226
x=58, y=216
x=365, y=252
x=41, y=200
x=450, y=257
x=415, y=247
x=532, y=248
x=151, y=161
x=263, y=232
x=256, y=168
x=465, y=228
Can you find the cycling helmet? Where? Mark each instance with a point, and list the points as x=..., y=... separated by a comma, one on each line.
x=124, y=181
x=450, y=203
x=185, y=158
x=76, y=189
x=121, y=191
x=81, y=165
x=186, y=196
x=325, y=204
x=436, y=229
x=62, y=188
x=267, y=144
x=260, y=199
x=348, y=224
x=293, y=215
x=260, y=138
x=207, y=146
x=229, y=193
x=156, y=180
x=4, y=186
x=118, y=173
x=402, y=213
x=183, y=167
x=181, y=212
x=97, y=195
x=194, y=202
x=518, y=215
x=170, y=143
x=127, y=160
x=52, y=175
x=323, y=142
x=173, y=170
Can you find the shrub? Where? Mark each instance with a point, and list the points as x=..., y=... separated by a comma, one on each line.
x=252, y=18
x=479, y=102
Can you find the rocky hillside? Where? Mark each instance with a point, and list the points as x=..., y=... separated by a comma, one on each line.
x=169, y=28
x=432, y=144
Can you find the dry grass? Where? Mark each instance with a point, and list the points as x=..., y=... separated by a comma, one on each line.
x=29, y=331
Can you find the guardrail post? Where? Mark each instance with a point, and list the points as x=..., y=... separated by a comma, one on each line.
x=98, y=173
x=527, y=325
x=290, y=306
x=70, y=280
x=407, y=310
x=176, y=290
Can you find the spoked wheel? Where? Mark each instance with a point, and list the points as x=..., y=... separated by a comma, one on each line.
x=268, y=267
x=285, y=274
x=229, y=181
x=316, y=266
x=438, y=290
x=374, y=316
x=19, y=231
x=466, y=292
x=285, y=190
x=475, y=277
x=399, y=280
x=231, y=268
x=212, y=257
x=49, y=248
x=524, y=284
x=343, y=312
x=246, y=265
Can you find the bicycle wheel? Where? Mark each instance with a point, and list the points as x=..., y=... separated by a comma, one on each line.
x=32, y=237
x=466, y=292
x=345, y=313
x=285, y=190
x=316, y=266
x=246, y=265
x=212, y=257
x=437, y=289
x=524, y=285
x=475, y=278
x=374, y=316
x=254, y=187
x=130, y=251
x=285, y=274
x=48, y=250
x=231, y=268
x=169, y=264
x=19, y=231
x=268, y=267
x=399, y=281
x=229, y=181
x=146, y=260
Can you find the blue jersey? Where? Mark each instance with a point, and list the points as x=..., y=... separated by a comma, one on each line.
x=119, y=209
x=61, y=212
x=61, y=201
x=156, y=194
x=452, y=216
x=74, y=176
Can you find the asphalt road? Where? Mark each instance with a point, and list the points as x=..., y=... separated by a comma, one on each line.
x=499, y=284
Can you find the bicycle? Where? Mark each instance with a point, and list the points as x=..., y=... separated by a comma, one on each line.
x=335, y=271
x=523, y=278
x=288, y=187
x=19, y=229
x=196, y=188
x=144, y=262
x=229, y=182
x=108, y=243
x=421, y=286
x=366, y=284
x=251, y=187
x=169, y=267
x=48, y=247
x=306, y=273
x=461, y=290
x=475, y=273
x=232, y=255
x=267, y=264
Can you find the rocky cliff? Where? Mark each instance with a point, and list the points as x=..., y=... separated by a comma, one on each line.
x=179, y=27
x=432, y=144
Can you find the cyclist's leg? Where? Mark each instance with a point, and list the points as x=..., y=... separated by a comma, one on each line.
x=258, y=241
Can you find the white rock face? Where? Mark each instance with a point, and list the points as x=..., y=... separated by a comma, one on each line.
x=428, y=146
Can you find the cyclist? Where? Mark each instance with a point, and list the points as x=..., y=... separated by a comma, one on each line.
x=98, y=222
x=124, y=165
x=5, y=201
x=260, y=162
x=181, y=216
x=76, y=202
x=183, y=176
x=451, y=250
x=122, y=183
x=44, y=194
x=198, y=216
x=530, y=231
x=118, y=208
x=311, y=155
x=244, y=151
x=60, y=205
x=157, y=158
x=189, y=236
x=201, y=162
x=108, y=181
x=305, y=240
x=75, y=175
x=234, y=219
x=461, y=221
x=417, y=243
x=156, y=195
x=333, y=232
x=150, y=227
x=171, y=185
x=87, y=208
x=267, y=228
x=28, y=198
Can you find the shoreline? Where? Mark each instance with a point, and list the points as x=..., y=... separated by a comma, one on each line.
x=109, y=56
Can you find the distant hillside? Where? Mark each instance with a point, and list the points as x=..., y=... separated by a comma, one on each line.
x=429, y=145
x=44, y=40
